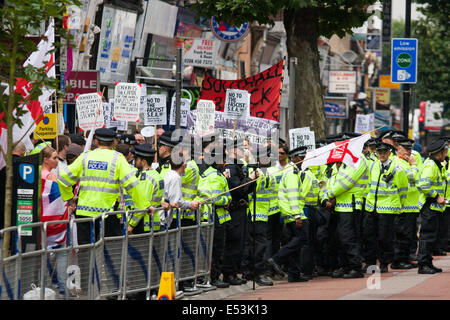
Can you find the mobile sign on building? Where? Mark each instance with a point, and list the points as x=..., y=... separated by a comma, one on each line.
x=81, y=82
x=404, y=60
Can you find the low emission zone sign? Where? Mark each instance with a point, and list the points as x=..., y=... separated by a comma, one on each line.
x=404, y=61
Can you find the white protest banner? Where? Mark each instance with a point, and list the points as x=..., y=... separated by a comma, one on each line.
x=127, y=97
x=205, y=120
x=364, y=122
x=237, y=104
x=302, y=137
x=156, y=110
x=87, y=105
x=110, y=121
x=185, y=106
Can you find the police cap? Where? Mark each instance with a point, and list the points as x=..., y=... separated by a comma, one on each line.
x=166, y=139
x=397, y=136
x=405, y=142
x=437, y=145
x=144, y=150
x=128, y=139
x=300, y=151
x=385, y=134
x=78, y=139
x=382, y=146
x=104, y=134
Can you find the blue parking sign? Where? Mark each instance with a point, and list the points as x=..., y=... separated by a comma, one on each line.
x=404, y=60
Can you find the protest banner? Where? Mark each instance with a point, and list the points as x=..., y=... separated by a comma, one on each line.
x=185, y=105
x=302, y=137
x=87, y=105
x=364, y=122
x=156, y=110
x=237, y=104
x=256, y=130
x=110, y=121
x=204, y=123
x=264, y=87
x=127, y=100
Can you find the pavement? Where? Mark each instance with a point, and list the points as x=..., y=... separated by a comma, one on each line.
x=394, y=285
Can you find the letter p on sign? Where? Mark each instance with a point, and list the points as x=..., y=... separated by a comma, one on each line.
x=26, y=172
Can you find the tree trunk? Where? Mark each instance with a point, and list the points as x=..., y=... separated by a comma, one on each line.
x=9, y=162
x=302, y=35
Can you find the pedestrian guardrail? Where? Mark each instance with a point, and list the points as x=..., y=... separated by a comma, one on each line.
x=107, y=267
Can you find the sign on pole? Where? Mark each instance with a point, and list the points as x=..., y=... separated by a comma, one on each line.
x=302, y=137
x=385, y=82
x=237, y=104
x=185, y=106
x=155, y=111
x=404, y=60
x=46, y=129
x=87, y=106
x=342, y=82
x=205, y=120
x=127, y=100
x=364, y=122
x=200, y=52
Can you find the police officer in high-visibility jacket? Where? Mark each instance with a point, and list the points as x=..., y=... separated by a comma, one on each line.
x=432, y=186
x=348, y=190
x=405, y=222
x=189, y=184
x=257, y=216
x=291, y=201
x=100, y=173
x=387, y=190
x=213, y=189
x=154, y=190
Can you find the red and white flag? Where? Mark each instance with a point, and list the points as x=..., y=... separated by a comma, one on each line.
x=39, y=58
x=348, y=151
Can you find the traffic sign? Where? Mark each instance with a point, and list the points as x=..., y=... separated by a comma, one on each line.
x=227, y=32
x=404, y=60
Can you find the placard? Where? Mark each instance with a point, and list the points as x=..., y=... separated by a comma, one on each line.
x=302, y=137
x=205, y=120
x=156, y=110
x=87, y=106
x=185, y=106
x=237, y=104
x=364, y=122
x=127, y=99
x=110, y=121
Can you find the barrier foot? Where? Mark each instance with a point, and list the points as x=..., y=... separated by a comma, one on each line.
x=192, y=291
x=179, y=295
x=206, y=286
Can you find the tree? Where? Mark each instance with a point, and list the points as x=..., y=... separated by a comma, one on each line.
x=433, y=36
x=304, y=21
x=17, y=18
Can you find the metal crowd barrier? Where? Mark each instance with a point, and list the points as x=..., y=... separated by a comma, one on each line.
x=108, y=267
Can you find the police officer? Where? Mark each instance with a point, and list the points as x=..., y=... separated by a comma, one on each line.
x=236, y=228
x=406, y=221
x=292, y=204
x=257, y=215
x=432, y=186
x=213, y=187
x=154, y=189
x=387, y=190
x=100, y=172
x=165, y=146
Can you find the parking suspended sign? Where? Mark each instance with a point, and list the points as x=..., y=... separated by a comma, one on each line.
x=404, y=60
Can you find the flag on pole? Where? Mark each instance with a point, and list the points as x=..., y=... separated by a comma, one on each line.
x=39, y=58
x=347, y=151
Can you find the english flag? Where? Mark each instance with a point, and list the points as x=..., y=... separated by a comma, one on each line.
x=347, y=151
x=39, y=58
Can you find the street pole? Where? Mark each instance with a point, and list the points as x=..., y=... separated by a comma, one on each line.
x=406, y=86
x=178, y=89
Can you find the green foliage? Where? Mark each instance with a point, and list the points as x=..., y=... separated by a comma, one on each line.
x=333, y=17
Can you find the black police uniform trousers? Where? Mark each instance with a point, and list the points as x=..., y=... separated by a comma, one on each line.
x=414, y=238
x=442, y=237
x=274, y=229
x=327, y=241
x=290, y=253
x=348, y=229
x=308, y=250
x=378, y=237
x=234, y=242
x=429, y=228
x=218, y=248
x=404, y=225
x=253, y=263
